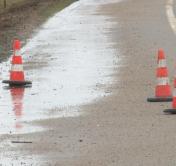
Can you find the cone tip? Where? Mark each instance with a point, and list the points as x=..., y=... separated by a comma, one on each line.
x=16, y=44
x=161, y=54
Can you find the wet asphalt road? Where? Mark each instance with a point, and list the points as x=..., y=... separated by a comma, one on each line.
x=68, y=66
x=92, y=67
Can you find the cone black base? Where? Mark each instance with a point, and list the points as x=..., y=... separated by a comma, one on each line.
x=170, y=111
x=17, y=83
x=160, y=99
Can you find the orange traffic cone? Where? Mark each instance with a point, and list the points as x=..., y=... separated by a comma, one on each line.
x=162, y=89
x=173, y=110
x=16, y=73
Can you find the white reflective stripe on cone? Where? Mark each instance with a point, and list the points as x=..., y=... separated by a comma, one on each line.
x=163, y=81
x=174, y=93
x=17, y=52
x=17, y=68
x=162, y=63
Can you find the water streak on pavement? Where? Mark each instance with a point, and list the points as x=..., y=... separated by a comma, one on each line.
x=70, y=60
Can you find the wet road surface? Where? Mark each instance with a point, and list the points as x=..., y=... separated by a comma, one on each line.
x=70, y=60
x=97, y=74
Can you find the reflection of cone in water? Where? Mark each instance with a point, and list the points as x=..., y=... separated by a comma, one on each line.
x=17, y=100
x=163, y=89
x=16, y=73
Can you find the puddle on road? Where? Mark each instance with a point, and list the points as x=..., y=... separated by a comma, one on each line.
x=22, y=160
x=70, y=60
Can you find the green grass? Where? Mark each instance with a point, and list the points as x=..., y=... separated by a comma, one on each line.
x=58, y=5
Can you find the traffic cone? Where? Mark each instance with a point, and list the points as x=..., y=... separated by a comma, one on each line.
x=162, y=89
x=173, y=109
x=16, y=73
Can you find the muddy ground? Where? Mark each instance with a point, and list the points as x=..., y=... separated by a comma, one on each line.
x=21, y=19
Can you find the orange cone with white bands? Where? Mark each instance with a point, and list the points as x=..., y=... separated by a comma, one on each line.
x=16, y=72
x=163, y=88
x=173, y=109
x=17, y=77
